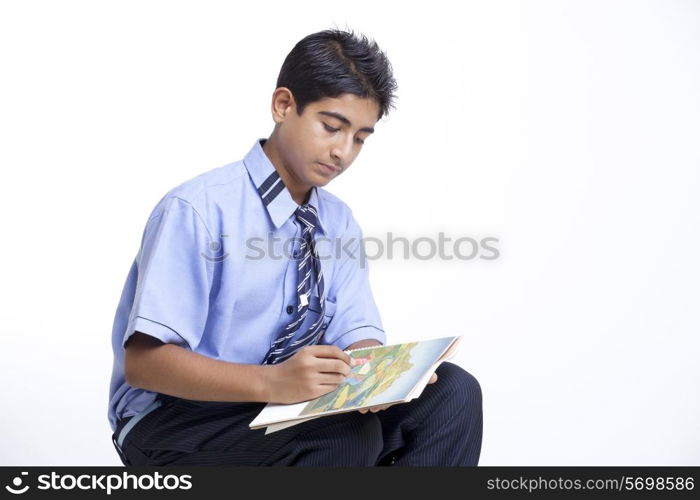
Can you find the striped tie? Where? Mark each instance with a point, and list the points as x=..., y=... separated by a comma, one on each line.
x=285, y=345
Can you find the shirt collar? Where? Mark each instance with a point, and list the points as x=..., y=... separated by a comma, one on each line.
x=273, y=193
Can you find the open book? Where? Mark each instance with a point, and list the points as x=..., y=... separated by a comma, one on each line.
x=388, y=374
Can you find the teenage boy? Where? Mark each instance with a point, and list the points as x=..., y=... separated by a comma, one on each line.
x=220, y=314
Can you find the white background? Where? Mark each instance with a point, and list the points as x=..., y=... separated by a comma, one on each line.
x=568, y=130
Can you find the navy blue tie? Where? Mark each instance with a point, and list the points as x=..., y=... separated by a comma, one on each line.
x=288, y=342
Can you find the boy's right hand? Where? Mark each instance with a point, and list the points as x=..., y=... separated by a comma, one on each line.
x=314, y=370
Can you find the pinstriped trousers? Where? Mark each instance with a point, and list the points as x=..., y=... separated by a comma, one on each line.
x=443, y=427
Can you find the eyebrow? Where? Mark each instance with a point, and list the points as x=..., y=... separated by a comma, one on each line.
x=345, y=120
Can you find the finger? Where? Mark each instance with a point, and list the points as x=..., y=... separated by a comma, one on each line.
x=329, y=351
x=433, y=378
x=355, y=362
x=375, y=409
x=334, y=379
x=333, y=366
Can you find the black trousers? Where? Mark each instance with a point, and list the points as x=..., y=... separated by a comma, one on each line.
x=443, y=427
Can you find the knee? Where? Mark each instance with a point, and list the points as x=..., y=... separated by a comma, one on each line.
x=459, y=385
x=370, y=435
x=350, y=439
x=363, y=442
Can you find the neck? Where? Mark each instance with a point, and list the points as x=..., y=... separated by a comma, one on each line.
x=300, y=192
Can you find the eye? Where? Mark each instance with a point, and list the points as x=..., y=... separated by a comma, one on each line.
x=329, y=128
x=332, y=130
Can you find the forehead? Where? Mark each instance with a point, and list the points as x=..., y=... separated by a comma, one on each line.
x=361, y=111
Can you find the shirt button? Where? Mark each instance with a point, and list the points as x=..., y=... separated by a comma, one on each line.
x=290, y=309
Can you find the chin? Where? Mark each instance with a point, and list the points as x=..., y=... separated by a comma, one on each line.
x=319, y=181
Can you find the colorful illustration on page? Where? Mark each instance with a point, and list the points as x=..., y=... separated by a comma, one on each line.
x=381, y=367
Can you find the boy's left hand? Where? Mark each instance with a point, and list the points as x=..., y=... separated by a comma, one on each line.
x=375, y=409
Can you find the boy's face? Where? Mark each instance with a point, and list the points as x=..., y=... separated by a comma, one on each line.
x=330, y=131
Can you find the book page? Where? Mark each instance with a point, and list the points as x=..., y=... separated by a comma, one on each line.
x=387, y=374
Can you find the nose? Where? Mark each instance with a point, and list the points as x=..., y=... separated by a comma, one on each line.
x=342, y=149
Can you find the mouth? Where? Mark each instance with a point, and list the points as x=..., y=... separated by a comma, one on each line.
x=329, y=169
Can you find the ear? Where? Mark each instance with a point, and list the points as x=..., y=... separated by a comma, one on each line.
x=282, y=104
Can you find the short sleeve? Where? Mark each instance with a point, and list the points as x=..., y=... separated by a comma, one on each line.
x=171, y=300
x=356, y=315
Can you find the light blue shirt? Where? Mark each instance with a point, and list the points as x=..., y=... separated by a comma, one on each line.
x=216, y=272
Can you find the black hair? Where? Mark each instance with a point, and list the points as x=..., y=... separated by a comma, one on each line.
x=334, y=62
